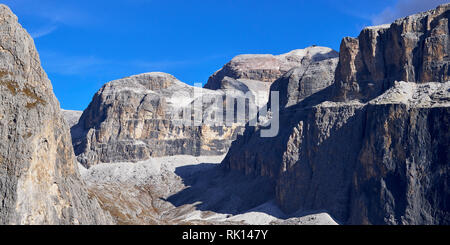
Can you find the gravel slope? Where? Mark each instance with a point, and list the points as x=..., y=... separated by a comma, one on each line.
x=187, y=190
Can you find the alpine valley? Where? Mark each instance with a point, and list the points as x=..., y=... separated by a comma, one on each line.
x=363, y=138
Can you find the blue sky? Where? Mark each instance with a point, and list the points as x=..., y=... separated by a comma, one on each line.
x=84, y=44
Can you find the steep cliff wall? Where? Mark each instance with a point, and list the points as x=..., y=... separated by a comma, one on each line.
x=39, y=179
x=134, y=118
x=413, y=49
x=266, y=67
x=139, y=117
x=367, y=149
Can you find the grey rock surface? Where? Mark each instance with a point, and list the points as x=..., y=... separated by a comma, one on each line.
x=402, y=172
x=132, y=119
x=187, y=190
x=413, y=49
x=301, y=82
x=39, y=179
x=367, y=149
x=267, y=67
x=71, y=117
x=135, y=118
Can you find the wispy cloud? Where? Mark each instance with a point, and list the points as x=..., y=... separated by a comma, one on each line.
x=65, y=64
x=404, y=8
x=46, y=16
x=159, y=65
x=44, y=31
x=167, y=64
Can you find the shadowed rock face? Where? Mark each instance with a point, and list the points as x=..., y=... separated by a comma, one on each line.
x=384, y=162
x=39, y=179
x=402, y=172
x=366, y=149
x=188, y=190
x=303, y=81
x=266, y=67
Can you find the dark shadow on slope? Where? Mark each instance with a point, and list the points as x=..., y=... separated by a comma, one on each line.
x=216, y=189
x=320, y=178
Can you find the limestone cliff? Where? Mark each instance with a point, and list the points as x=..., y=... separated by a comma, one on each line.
x=134, y=118
x=39, y=179
x=413, y=49
x=366, y=149
x=266, y=67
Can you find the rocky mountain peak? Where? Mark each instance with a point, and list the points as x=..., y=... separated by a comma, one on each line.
x=154, y=81
x=39, y=178
x=134, y=118
x=267, y=67
x=412, y=49
x=371, y=148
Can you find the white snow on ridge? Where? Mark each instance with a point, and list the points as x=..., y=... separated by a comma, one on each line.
x=383, y=26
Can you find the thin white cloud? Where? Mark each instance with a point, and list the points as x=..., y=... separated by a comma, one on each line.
x=158, y=65
x=404, y=8
x=44, y=31
x=63, y=64
x=53, y=12
x=166, y=64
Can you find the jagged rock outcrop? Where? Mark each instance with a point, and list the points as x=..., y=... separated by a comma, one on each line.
x=303, y=81
x=39, y=179
x=402, y=172
x=366, y=149
x=413, y=49
x=267, y=67
x=71, y=117
x=133, y=119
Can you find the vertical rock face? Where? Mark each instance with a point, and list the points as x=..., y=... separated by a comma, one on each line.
x=266, y=67
x=385, y=162
x=366, y=149
x=134, y=118
x=402, y=172
x=303, y=81
x=413, y=49
x=39, y=179
x=71, y=117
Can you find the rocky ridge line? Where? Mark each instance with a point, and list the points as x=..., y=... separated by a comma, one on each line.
x=367, y=149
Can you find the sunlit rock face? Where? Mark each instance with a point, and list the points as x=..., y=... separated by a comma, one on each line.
x=413, y=49
x=135, y=118
x=367, y=149
x=266, y=67
x=39, y=179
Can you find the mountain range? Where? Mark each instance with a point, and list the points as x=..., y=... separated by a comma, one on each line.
x=362, y=137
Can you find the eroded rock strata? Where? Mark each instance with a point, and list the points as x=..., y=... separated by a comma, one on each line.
x=367, y=149
x=138, y=117
x=266, y=67
x=413, y=49
x=134, y=118
x=39, y=179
